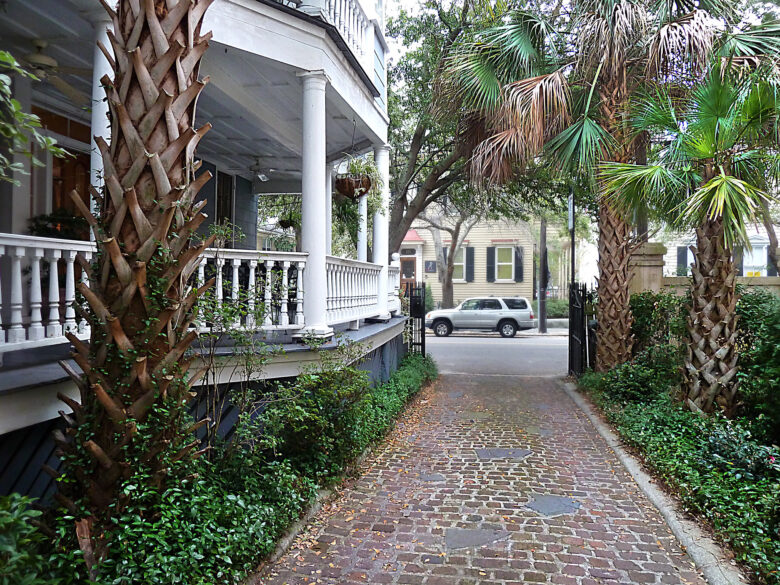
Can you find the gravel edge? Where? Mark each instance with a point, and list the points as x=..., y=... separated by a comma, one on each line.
x=707, y=555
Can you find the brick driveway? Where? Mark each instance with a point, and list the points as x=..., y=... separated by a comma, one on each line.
x=489, y=479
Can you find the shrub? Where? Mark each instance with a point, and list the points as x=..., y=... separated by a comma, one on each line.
x=647, y=377
x=558, y=308
x=760, y=362
x=220, y=517
x=430, y=304
x=658, y=318
x=22, y=561
x=705, y=462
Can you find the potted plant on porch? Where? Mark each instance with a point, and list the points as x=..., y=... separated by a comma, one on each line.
x=361, y=177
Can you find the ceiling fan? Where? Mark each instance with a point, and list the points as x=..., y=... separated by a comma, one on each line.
x=46, y=69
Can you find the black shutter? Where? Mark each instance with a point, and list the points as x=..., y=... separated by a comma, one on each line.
x=469, y=264
x=491, y=264
x=739, y=255
x=770, y=268
x=518, y=264
x=682, y=261
x=445, y=250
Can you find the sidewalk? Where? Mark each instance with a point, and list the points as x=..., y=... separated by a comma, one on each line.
x=489, y=479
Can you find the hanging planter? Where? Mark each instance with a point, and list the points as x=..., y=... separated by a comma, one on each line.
x=361, y=178
x=353, y=185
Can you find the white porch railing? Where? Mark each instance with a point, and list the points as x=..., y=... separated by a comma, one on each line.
x=265, y=283
x=393, y=288
x=38, y=287
x=38, y=279
x=352, y=290
x=351, y=21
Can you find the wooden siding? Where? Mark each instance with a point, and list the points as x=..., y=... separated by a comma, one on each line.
x=481, y=237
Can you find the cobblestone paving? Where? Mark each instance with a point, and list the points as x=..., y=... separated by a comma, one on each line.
x=454, y=498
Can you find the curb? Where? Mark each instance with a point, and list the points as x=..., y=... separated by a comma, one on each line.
x=706, y=554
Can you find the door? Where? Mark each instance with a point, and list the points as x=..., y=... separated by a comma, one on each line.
x=489, y=313
x=408, y=271
x=468, y=315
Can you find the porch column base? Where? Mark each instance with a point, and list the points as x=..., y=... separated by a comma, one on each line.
x=385, y=318
x=316, y=332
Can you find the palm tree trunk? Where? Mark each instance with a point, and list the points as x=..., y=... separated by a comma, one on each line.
x=139, y=301
x=711, y=363
x=613, y=311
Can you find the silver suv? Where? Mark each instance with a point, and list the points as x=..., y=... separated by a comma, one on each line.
x=506, y=315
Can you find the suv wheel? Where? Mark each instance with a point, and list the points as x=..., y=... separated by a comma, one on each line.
x=442, y=328
x=507, y=329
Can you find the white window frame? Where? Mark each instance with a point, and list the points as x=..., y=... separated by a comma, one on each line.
x=462, y=263
x=512, y=264
x=758, y=253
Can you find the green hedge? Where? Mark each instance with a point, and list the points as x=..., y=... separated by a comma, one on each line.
x=723, y=470
x=223, y=516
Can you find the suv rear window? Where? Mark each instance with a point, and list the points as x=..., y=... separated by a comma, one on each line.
x=516, y=303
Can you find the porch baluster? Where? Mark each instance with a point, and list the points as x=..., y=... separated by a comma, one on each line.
x=219, y=293
x=235, y=262
x=250, y=310
x=284, y=318
x=54, y=327
x=299, y=294
x=84, y=326
x=269, y=269
x=70, y=291
x=36, y=330
x=15, y=330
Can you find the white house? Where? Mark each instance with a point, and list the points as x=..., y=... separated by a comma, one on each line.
x=293, y=86
x=750, y=263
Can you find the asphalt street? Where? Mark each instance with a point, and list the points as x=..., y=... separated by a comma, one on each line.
x=524, y=355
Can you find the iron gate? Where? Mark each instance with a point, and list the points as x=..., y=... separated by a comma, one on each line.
x=577, y=329
x=415, y=292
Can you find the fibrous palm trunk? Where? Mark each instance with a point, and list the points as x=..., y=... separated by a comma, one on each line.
x=138, y=300
x=613, y=311
x=711, y=362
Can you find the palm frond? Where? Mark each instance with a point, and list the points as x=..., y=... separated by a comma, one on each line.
x=730, y=200
x=682, y=45
x=580, y=146
x=496, y=157
x=760, y=40
x=655, y=112
x=608, y=33
x=630, y=187
x=540, y=106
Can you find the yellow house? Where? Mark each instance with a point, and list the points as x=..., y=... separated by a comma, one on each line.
x=495, y=258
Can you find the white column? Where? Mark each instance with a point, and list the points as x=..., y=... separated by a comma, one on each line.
x=362, y=237
x=329, y=209
x=381, y=227
x=99, y=120
x=313, y=228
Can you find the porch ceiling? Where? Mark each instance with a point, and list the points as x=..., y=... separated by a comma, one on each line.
x=253, y=103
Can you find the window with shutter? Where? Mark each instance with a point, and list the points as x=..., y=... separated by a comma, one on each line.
x=505, y=263
x=459, y=265
x=490, y=275
x=469, y=264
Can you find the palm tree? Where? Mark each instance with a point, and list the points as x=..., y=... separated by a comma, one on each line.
x=563, y=97
x=718, y=150
x=130, y=416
